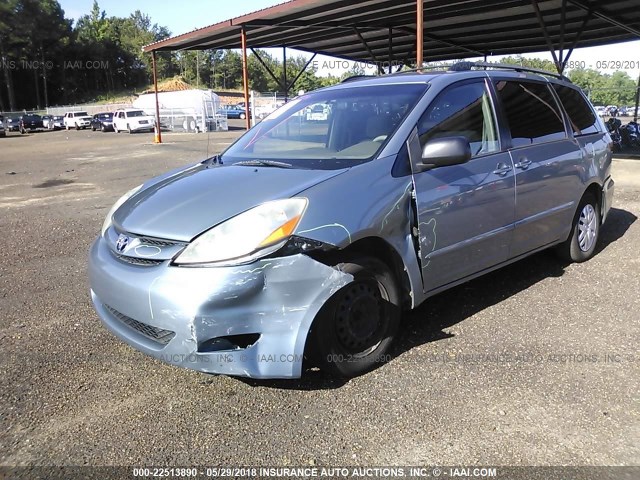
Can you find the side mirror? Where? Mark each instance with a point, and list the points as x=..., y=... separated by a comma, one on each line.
x=446, y=151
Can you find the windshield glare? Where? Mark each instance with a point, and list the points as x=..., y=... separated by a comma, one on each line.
x=333, y=128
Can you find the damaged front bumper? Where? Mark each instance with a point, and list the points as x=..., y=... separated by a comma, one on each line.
x=249, y=320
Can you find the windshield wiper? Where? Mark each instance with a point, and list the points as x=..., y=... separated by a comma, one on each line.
x=264, y=163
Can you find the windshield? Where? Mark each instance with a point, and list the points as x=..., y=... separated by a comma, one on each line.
x=328, y=129
x=82, y=114
x=136, y=113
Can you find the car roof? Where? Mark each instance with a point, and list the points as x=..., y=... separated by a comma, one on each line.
x=441, y=77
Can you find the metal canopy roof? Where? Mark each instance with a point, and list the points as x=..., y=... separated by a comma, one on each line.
x=359, y=29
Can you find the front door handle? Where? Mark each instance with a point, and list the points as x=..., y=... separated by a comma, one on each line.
x=523, y=163
x=502, y=169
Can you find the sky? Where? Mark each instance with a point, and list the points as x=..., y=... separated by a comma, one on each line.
x=182, y=17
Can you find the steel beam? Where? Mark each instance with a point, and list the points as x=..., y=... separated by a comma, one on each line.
x=419, y=33
x=603, y=15
x=245, y=75
x=547, y=38
x=158, y=133
x=266, y=67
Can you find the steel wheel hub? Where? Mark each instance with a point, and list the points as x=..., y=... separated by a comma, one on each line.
x=359, y=316
x=587, y=228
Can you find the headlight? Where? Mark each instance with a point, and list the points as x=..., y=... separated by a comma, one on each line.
x=256, y=232
x=116, y=206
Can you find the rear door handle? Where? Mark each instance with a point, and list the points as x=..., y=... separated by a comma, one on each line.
x=523, y=163
x=502, y=169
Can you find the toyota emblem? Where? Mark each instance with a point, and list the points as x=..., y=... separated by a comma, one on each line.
x=122, y=243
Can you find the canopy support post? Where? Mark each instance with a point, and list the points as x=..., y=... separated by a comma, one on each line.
x=158, y=133
x=635, y=113
x=390, y=54
x=419, y=33
x=245, y=75
x=284, y=74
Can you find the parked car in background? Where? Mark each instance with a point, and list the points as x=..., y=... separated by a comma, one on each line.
x=77, y=120
x=102, y=121
x=611, y=110
x=46, y=120
x=31, y=122
x=235, y=111
x=3, y=132
x=299, y=242
x=56, y=122
x=318, y=113
x=132, y=120
x=600, y=110
x=12, y=124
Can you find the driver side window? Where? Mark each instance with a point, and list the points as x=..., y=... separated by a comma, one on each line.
x=466, y=111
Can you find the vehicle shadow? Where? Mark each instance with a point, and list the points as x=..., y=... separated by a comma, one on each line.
x=427, y=323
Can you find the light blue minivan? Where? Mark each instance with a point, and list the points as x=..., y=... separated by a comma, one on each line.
x=304, y=241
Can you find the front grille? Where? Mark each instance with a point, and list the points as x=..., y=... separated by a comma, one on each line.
x=142, y=262
x=156, y=334
x=156, y=242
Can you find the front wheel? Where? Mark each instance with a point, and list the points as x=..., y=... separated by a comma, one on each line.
x=354, y=329
x=582, y=242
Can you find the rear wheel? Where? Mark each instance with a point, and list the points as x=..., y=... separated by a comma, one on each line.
x=354, y=329
x=129, y=128
x=77, y=127
x=581, y=244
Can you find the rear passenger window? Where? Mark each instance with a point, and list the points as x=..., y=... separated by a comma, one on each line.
x=583, y=120
x=464, y=111
x=532, y=112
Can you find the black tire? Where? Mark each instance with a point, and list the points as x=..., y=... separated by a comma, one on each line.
x=93, y=129
x=129, y=129
x=102, y=128
x=354, y=329
x=585, y=232
x=77, y=127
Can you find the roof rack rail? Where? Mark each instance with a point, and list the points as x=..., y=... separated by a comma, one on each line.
x=462, y=66
x=353, y=78
x=413, y=70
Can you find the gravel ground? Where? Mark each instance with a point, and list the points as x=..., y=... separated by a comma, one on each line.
x=535, y=364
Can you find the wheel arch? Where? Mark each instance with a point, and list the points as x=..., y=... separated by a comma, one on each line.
x=595, y=189
x=380, y=249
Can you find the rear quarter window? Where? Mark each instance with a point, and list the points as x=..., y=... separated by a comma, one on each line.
x=583, y=119
x=532, y=112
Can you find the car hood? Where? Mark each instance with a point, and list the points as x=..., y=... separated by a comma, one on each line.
x=181, y=206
